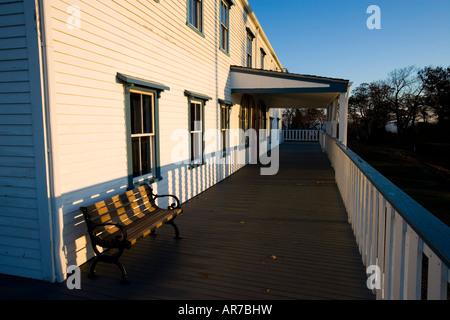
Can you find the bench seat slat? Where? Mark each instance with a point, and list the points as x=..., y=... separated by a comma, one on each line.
x=144, y=226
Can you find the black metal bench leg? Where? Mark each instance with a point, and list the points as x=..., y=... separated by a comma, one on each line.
x=92, y=274
x=177, y=232
x=124, y=279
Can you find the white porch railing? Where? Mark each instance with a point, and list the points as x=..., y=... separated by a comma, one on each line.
x=394, y=233
x=301, y=135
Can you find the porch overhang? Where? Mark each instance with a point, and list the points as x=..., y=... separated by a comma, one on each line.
x=287, y=90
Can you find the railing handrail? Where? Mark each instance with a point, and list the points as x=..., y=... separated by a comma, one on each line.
x=431, y=230
x=393, y=232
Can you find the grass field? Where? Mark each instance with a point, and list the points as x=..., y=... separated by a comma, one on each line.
x=423, y=178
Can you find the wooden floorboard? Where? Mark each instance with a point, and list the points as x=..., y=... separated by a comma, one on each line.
x=250, y=237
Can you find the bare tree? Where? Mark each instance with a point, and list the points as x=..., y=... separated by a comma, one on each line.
x=405, y=97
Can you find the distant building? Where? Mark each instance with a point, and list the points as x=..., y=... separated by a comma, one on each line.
x=96, y=95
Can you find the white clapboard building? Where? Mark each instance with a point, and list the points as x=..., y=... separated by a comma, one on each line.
x=99, y=96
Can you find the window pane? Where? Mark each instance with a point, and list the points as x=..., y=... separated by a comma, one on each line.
x=224, y=140
x=192, y=115
x=227, y=118
x=146, y=153
x=198, y=114
x=199, y=15
x=191, y=4
x=136, y=157
x=198, y=118
x=224, y=38
x=136, y=113
x=222, y=117
x=198, y=147
x=195, y=14
x=147, y=107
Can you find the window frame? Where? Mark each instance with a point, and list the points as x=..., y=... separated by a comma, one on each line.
x=155, y=175
x=250, y=37
x=225, y=109
x=140, y=136
x=225, y=6
x=196, y=130
x=134, y=83
x=202, y=100
x=197, y=5
x=263, y=57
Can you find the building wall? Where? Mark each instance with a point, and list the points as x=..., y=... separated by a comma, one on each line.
x=25, y=248
x=144, y=39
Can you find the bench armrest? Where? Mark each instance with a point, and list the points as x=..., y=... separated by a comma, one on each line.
x=174, y=205
x=118, y=240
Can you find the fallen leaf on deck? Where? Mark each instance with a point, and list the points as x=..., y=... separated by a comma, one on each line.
x=204, y=275
x=274, y=257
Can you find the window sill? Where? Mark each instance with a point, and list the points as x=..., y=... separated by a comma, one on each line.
x=227, y=53
x=193, y=166
x=148, y=180
x=195, y=29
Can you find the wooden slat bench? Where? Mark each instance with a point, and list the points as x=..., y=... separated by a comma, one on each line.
x=115, y=224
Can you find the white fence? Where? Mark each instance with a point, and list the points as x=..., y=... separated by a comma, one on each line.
x=301, y=135
x=396, y=236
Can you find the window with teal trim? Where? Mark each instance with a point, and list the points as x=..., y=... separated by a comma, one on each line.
x=263, y=56
x=142, y=133
x=195, y=14
x=250, y=37
x=196, y=131
x=225, y=26
x=225, y=125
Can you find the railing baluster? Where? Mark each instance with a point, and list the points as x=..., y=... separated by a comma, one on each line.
x=301, y=135
x=381, y=244
x=398, y=255
x=375, y=219
x=388, y=251
x=437, y=276
x=413, y=265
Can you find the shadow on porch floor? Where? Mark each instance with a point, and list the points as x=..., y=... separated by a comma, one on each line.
x=250, y=237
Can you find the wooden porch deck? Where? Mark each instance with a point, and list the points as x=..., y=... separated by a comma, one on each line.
x=250, y=237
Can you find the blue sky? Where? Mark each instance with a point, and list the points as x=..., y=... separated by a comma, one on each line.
x=330, y=37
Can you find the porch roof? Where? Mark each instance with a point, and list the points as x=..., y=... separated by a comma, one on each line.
x=287, y=90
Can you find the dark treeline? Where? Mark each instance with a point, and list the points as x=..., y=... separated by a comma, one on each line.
x=304, y=118
x=416, y=102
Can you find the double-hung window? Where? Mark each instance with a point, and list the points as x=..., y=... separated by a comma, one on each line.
x=195, y=15
x=263, y=56
x=142, y=133
x=196, y=126
x=225, y=25
x=225, y=123
x=196, y=132
x=250, y=37
x=142, y=123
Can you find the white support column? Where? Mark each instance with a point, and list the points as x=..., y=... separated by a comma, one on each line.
x=329, y=124
x=334, y=119
x=343, y=117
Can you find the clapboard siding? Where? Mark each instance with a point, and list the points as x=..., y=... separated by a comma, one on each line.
x=20, y=233
x=144, y=39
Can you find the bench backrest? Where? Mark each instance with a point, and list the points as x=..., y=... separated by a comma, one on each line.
x=124, y=208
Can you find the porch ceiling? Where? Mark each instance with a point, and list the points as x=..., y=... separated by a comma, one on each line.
x=286, y=90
